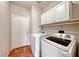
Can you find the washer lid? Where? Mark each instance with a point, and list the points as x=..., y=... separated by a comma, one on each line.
x=64, y=42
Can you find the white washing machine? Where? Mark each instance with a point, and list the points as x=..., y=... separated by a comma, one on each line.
x=58, y=45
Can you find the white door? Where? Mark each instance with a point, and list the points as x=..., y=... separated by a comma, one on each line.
x=19, y=27
x=19, y=32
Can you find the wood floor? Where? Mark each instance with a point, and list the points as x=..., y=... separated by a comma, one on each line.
x=24, y=51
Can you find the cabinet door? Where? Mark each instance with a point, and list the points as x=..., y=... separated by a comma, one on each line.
x=43, y=18
x=49, y=16
x=61, y=12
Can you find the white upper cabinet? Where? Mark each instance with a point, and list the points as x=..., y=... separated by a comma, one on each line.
x=43, y=19
x=56, y=14
x=65, y=11
x=47, y=17
x=61, y=12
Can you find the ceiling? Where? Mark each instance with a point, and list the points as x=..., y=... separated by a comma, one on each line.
x=28, y=4
x=75, y=2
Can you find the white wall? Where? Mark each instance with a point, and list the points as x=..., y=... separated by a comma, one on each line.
x=36, y=17
x=4, y=28
x=20, y=19
x=35, y=27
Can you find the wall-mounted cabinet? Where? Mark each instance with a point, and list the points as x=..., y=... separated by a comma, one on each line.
x=61, y=12
x=65, y=11
x=43, y=19
x=47, y=17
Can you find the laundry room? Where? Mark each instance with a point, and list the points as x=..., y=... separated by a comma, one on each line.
x=39, y=28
